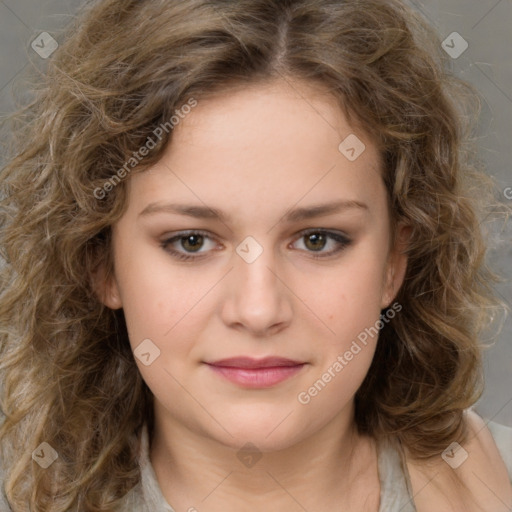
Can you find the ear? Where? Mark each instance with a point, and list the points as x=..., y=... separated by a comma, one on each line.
x=105, y=286
x=396, y=265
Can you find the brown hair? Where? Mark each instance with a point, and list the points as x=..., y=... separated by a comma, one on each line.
x=67, y=371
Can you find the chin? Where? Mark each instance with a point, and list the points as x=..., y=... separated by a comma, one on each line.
x=268, y=432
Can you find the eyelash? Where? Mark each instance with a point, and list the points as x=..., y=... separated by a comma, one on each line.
x=342, y=240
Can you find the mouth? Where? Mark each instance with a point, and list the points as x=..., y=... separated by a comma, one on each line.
x=253, y=373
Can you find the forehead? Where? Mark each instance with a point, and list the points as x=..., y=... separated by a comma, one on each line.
x=276, y=115
x=279, y=141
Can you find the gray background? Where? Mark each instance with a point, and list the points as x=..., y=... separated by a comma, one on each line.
x=484, y=24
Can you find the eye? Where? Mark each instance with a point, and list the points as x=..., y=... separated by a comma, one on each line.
x=190, y=241
x=317, y=240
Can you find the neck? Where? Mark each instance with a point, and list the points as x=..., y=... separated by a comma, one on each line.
x=333, y=469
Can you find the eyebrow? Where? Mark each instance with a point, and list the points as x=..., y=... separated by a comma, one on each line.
x=295, y=215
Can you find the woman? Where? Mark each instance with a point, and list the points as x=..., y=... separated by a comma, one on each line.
x=244, y=270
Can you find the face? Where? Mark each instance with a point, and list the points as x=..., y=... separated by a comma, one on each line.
x=256, y=237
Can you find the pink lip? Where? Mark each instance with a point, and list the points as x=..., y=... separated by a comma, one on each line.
x=256, y=373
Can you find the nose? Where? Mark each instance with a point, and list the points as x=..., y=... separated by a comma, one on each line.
x=257, y=298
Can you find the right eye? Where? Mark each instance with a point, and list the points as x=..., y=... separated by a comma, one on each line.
x=184, y=245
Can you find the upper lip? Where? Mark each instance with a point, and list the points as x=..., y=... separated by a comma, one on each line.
x=250, y=362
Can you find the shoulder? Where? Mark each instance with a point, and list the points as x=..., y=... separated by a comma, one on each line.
x=470, y=476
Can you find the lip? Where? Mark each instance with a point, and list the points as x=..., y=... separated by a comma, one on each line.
x=251, y=362
x=253, y=373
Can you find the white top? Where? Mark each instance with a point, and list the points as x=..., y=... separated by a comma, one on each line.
x=396, y=493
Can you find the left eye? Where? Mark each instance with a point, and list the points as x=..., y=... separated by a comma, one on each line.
x=315, y=241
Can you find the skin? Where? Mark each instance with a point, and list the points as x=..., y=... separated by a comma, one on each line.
x=256, y=153
x=479, y=484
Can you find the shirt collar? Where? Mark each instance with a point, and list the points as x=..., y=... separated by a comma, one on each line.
x=151, y=492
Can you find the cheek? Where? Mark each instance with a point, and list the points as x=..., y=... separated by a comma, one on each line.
x=350, y=303
x=348, y=297
x=167, y=310
x=157, y=299
x=162, y=313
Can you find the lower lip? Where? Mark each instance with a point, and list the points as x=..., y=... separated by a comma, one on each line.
x=257, y=377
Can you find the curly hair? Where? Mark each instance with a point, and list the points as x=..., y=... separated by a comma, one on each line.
x=68, y=376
